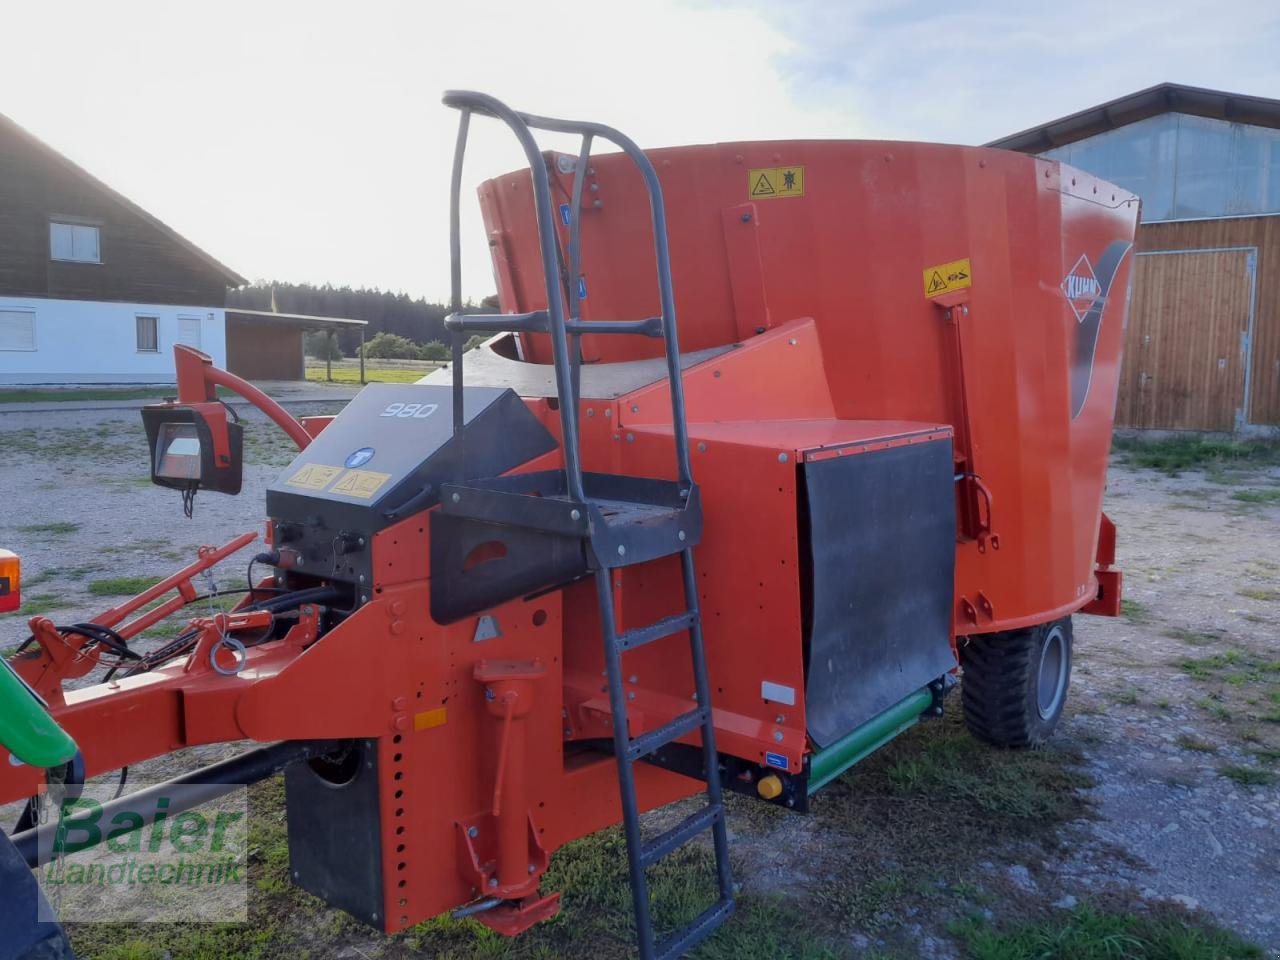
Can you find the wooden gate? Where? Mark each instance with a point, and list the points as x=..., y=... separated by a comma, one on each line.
x=1186, y=353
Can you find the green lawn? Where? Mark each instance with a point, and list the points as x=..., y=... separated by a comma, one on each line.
x=350, y=373
x=60, y=394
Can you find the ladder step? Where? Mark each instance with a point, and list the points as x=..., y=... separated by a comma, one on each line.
x=650, y=327
x=646, y=743
x=657, y=630
x=682, y=941
x=680, y=834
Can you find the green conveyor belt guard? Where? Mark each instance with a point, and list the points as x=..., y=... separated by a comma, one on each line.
x=826, y=765
x=26, y=728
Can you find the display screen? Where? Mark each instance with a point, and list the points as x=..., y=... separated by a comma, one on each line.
x=178, y=452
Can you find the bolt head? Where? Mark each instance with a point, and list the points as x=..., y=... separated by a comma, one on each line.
x=777, y=736
x=575, y=515
x=682, y=536
x=746, y=218
x=532, y=868
x=631, y=694
x=783, y=458
x=455, y=498
x=473, y=832
x=493, y=881
x=622, y=551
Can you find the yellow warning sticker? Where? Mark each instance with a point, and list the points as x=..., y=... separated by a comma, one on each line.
x=313, y=476
x=360, y=483
x=770, y=182
x=946, y=277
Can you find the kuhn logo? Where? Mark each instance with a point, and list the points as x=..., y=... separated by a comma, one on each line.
x=1081, y=287
x=1087, y=293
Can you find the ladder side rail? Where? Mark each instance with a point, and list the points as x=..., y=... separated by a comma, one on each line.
x=666, y=296
x=710, y=758
x=472, y=102
x=575, y=262
x=626, y=772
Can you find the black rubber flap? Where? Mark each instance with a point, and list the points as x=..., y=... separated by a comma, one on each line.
x=335, y=831
x=881, y=529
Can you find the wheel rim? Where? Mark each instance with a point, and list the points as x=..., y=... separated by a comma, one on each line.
x=1051, y=685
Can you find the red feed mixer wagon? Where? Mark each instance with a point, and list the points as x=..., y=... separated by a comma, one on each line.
x=588, y=570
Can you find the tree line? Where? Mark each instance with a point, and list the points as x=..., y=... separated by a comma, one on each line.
x=416, y=320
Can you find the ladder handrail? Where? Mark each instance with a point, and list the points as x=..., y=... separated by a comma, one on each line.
x=469, y=102
x=520, y=123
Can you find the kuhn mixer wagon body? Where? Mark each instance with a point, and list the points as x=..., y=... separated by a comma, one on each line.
x=589, y=569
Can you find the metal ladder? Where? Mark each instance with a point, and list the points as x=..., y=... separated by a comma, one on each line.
x=622, y=520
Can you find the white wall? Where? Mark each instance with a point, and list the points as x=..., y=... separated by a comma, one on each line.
x=85, y=341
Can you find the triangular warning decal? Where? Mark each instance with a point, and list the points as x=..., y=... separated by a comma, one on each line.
x=936, y=282
x=762, y=187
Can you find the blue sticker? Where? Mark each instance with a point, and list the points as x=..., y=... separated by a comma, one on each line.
x=776, y=760
x=360, y=457
x=582, y=288
x=564, y=213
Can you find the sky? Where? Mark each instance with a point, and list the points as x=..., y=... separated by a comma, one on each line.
x=307, y=142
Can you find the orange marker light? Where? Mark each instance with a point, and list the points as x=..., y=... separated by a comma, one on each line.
x=10, y=575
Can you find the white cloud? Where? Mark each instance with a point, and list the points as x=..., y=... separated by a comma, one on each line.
x=306, y=141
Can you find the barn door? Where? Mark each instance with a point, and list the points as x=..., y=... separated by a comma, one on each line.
x=1186, y=351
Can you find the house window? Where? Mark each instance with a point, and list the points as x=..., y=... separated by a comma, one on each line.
x=189, y=331
x=77, y=242
x=17, y=329
x=148, y=334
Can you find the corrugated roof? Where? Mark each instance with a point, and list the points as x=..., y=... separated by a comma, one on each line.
x=1151, y=102
x=233, y=279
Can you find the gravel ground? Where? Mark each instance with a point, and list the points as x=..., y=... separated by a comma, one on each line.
x=1168, y=702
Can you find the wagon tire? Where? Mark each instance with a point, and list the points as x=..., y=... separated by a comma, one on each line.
x=1015, y=683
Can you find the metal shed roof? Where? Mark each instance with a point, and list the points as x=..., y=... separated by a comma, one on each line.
x=1153, y=101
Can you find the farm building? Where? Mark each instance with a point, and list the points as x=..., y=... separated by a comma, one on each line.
x=93, y=289
x=1202, y=348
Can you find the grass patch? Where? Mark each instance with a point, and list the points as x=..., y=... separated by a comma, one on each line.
x=1257, y=496
x=46, y=394
x=1134, y=612
x=349, y=374
x=1090, y=934
x=594, y=920
x=1234, y=667
x=1172, y=455
x=1248, y=776
x=58, y=528
x=1187, y=742
x=1214, y=707
x=1127, y=696
x=1257, y=593
x=121, y=586
x=40, y=603
x=1194, y=638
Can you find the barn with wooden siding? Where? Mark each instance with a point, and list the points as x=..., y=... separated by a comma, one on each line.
x=1202, y=346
